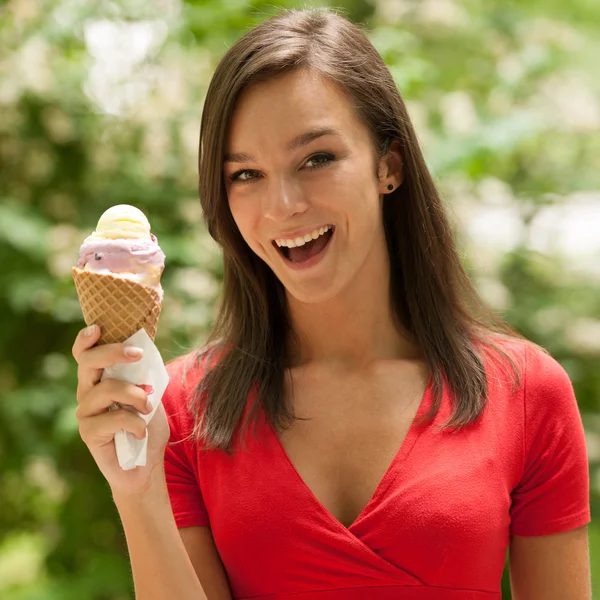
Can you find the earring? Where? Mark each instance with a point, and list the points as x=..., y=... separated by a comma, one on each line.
x=390, y=187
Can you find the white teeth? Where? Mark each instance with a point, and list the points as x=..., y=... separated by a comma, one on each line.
x=300, y=241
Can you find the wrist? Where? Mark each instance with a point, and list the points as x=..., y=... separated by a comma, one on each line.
x=153, y=491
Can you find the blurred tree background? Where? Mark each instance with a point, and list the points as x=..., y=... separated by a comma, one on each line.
x=100, y=104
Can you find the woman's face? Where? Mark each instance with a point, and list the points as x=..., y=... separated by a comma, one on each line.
x=298, y=160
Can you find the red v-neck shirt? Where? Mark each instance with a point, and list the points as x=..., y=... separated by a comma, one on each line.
x=439, y=522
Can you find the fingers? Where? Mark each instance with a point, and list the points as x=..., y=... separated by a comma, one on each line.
x=97, y=425
x=86, y=378
x=101, y=429
x=93, y=360
x=108, y=392
x=85, y=339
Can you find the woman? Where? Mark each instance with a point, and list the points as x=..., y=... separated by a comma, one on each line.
x=360, y=426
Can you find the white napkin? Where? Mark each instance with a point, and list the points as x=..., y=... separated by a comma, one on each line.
x=149, y=370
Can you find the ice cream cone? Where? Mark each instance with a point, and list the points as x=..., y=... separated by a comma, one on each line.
x=119, y=306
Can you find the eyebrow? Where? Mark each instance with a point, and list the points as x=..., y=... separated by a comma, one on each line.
x=301, y=140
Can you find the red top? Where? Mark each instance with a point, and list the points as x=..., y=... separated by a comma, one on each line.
x=439, y=522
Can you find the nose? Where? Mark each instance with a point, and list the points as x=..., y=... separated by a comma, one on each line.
x=284, y=199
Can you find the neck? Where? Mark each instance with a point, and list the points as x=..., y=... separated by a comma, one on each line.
x=354, y=329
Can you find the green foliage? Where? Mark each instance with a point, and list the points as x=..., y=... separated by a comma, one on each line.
x=503, y=97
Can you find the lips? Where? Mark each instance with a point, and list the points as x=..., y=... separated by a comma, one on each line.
x=307, y=251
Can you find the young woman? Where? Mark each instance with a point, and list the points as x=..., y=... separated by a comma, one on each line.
x=360, y=425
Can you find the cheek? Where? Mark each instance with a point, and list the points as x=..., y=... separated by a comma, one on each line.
x=356, y=196
x=246, y=215
x=354, y=180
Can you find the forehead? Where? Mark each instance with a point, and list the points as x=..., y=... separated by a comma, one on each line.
x=280, y=108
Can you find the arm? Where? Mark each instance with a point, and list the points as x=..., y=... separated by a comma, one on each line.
x=162, y=568
x=551, y=567
x=201, y=549
x=165, y=562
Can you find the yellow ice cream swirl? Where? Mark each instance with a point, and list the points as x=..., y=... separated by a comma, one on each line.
x=122, y=221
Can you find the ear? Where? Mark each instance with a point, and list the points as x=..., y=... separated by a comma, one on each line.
x=391, y=169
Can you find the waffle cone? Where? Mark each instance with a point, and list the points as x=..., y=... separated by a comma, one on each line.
x=119, y=306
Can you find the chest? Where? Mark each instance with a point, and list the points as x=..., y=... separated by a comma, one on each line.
x=441, y=511
x=348, y=432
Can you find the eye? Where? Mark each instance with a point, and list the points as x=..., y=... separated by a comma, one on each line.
x=322, y=159
x=244, y=175
x=240, y=175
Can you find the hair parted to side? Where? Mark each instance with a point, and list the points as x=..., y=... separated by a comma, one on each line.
x=433, y=299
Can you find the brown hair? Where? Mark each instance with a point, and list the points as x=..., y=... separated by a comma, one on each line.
x=432, y=296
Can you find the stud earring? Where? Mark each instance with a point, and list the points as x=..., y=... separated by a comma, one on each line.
x=390, y=187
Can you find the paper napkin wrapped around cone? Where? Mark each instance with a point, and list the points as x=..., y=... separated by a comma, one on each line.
x=151, y=372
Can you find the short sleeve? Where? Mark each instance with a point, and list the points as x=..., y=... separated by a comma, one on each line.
x=553, y=493
x=181, y=459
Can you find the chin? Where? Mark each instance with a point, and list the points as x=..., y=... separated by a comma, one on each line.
x=313, y=293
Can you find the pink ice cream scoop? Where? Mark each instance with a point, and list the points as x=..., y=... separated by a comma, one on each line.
x=122, y=245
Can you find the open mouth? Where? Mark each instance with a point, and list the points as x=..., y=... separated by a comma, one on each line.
x=300, y=254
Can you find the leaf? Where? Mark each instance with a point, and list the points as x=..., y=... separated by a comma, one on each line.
x=24, y=231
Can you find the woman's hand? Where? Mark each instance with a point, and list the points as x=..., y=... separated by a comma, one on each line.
x=98, y=424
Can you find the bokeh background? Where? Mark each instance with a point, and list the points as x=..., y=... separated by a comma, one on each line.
x=100, y=104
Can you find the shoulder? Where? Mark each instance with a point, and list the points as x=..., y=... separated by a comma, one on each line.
x=536, y=386
x=545, y=384
x=505, y=359
x=186, y=373
x=545, y=374
x=552, y=491
x=550, y=409
x=542, y=377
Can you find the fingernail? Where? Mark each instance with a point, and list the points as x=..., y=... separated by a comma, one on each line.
x=149, y=407
x=132, y=351
x=147, y=388
x=89, y=331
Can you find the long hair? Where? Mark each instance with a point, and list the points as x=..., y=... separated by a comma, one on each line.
x=432, y=296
